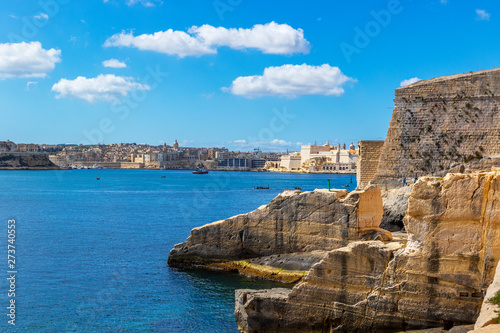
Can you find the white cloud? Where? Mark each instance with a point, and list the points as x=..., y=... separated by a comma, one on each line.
x=30, y=83
x=409, y=81
x=169, y=42
x=103, y=87
x=114, y=63
x=146, y=3
x=27, y=60
x=270, y=38
x=482, y=14
x=292, y=80
x=42, y=16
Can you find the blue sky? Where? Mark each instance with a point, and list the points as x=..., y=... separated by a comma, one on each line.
x=295, y=72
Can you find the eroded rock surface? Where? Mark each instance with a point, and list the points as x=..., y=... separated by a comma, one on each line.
x=436, y=279
x=395, y=204
x=490, y=312
x=292, y=222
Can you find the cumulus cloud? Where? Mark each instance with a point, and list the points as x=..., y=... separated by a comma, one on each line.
x=27, y=60
x=291, y=81
x=409, y=81
x=169, y=42
x=482, y=14
x=114, y=63
x=103, y=87
x=270, y=38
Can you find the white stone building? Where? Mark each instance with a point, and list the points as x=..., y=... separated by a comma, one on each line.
x=325, y=157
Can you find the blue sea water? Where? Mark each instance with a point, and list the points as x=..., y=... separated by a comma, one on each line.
x=91, y=255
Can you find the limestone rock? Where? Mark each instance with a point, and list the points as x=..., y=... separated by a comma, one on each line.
x=395, y=203
x=436, y=279
x=489, y=311
x=292, y=222
x=487, y=329
x=26, y=161
x=255, y=309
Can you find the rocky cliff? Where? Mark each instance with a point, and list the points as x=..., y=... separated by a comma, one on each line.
x=293, y=222
x=26, y=161
x=442, y=125
x=435, y=279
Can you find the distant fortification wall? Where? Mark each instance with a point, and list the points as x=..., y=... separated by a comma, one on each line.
x=450, y=123
x=369, y=155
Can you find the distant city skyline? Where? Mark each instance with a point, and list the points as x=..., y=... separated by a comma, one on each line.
x=234, y=74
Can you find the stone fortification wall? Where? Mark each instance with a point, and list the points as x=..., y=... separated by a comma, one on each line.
x=369, y=154
x=442, y=125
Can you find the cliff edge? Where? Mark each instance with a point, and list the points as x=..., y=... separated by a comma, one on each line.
x=293, y=232
x=437, y=278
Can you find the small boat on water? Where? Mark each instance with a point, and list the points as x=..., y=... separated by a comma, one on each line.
x=298, y=187
x=262, y=187
x=163, y=176
x=348, y=185
x=200, y=170
x=97, y=178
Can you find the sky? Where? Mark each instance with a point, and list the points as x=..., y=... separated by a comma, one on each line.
x=239, y=74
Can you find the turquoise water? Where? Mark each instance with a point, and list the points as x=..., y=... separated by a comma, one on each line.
x=91, y=255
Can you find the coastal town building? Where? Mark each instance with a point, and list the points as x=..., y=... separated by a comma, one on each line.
x=291, y=161
x=325, y=158
x=28, y=147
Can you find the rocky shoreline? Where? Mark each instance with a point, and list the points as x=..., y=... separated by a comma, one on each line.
x=362, y=278
x=26, y=161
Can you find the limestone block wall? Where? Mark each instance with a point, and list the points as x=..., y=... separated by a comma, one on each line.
x=442, y=125
x=369, y=154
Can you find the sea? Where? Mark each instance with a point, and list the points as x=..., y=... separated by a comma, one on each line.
x=90, y=247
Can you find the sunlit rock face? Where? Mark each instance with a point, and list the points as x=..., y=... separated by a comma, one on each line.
x=292, y=222
x=435, y=279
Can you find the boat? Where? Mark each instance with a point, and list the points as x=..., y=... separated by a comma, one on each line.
x=200, y=170
x=262, y=187
x=298, y=187
x=97, y=178
x=163, y=176
x=348, y=185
